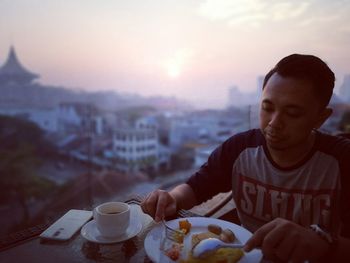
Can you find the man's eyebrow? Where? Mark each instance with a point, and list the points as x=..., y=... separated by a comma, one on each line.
x=290, y=106
x=295, y=107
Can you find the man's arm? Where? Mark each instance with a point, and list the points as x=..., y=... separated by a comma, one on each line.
x=160, y=203
x=184, y=196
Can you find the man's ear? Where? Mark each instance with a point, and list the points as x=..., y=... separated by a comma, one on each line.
x=323, y=116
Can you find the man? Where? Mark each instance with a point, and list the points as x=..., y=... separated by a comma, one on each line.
x=290, y=182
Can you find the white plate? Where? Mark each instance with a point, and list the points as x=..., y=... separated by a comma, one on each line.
x=90, y=232
x=199, y=224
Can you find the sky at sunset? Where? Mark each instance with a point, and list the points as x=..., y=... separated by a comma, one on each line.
x=191, y=49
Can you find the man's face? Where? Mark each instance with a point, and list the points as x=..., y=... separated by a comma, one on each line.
x=289, y=111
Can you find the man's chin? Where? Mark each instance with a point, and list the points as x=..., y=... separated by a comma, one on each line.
x=276, y=146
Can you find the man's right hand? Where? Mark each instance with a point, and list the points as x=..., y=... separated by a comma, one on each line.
x=159, y=204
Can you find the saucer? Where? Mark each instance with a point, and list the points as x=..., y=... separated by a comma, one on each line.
x=90, y=232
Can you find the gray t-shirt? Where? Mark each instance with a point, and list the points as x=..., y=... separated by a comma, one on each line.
x=314, y=191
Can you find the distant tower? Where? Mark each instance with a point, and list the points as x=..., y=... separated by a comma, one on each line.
x=13, y=72
x=234, y=97
x=344, y=90
x=260, y=83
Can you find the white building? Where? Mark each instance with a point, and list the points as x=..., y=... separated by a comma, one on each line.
x=203, y=127
x=135, y=149
x=148, y=122
x=79, y=117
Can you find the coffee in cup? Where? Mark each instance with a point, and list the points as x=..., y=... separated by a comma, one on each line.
x=112, y=218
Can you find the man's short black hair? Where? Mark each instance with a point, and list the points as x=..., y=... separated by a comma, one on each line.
x=309, y=68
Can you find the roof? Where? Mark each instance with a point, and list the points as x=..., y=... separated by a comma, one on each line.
x=82, y=108
x=13, y=68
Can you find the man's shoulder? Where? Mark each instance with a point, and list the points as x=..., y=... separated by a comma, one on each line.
x=250, y=137
x=243, y=140
x=337, y=146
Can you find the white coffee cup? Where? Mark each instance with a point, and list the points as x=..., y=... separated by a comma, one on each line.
x=112, y=218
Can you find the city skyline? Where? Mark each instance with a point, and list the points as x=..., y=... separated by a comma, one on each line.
x=194, y=50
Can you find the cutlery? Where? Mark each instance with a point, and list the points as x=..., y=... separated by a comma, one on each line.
x=210, y=245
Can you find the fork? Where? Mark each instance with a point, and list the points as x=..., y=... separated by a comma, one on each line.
x=137, y=199
x=173, y=234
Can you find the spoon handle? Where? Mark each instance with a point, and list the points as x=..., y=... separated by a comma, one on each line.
x=234, y=245
x=210, y=245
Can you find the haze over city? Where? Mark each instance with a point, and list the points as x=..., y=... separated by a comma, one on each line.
x=192, y=49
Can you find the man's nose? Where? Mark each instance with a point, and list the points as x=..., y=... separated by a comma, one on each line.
x=276, y=121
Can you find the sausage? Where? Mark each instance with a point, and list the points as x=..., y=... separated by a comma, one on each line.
x=215, y=229
x=227, y=236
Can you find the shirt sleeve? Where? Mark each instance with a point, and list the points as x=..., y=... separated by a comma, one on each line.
x=345, y=190
x=215, y=176
x=339, y=147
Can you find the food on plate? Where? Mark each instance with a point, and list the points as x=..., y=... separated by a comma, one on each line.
x=221, y=255
x=174, y=252
x=227, y=236
x=179, y=236
x=196, y=238
x=185, y=226
x=215, y=229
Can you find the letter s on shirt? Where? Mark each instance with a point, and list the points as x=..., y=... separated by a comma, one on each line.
x=246, y=203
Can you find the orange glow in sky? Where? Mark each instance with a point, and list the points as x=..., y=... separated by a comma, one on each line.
x=192, y=49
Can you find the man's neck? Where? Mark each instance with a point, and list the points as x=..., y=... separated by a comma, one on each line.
x=292, y=156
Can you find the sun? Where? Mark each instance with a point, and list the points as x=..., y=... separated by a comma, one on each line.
x=176, y=64
x=173, y=69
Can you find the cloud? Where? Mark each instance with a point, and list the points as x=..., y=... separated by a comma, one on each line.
x=331, y=15
x=228, y=9
x=288, y=10
x=252, y=12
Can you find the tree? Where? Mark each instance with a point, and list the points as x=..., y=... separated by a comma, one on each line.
x=22, y=147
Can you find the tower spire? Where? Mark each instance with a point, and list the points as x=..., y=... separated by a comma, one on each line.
x=13, y=71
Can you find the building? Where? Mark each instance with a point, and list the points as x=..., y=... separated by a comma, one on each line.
x=135, y=150
x=183, y=131
x=259, y=85
x=344, y=90
x=238, y=99
x=79, y=117
x=14, y=80
x=46, y=119
x=13, y=73
x=147, y=122
x=17, y=84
